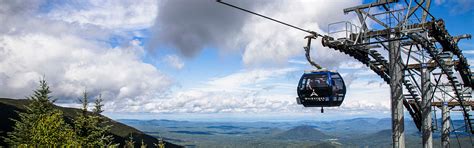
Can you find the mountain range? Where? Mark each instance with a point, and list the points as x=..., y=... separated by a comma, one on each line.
x=357, y=132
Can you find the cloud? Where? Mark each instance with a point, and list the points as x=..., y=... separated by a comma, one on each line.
x=299, y=62
x=368, y=95
x=268, y=42
x=352, y=65
x=70, y=67
x=241, y=92
x=112, y=14
x=73, y=55
x=263, y=91
x=190, y=26
x=247, y=78
x=174, y=61
x=469, y=52
x=439, y=2
x=457, y=6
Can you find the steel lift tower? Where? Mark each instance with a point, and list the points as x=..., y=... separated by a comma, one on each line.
x=425, y=67
x=423, y=58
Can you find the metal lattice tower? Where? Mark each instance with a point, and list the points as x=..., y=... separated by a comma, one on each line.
x=425, y=67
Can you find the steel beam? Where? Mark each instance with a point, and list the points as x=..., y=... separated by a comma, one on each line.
x=373, y=18
x=431, y=64
x=453, y=103
x=374, y=4
x=411, y=12
x=361, y=19
x=423, y=17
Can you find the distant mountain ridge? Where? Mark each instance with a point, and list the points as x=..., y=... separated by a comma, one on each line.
x=120, y=131
x=356, y=132
x=303, y=132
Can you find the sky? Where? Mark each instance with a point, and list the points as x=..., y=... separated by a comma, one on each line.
x=189, y=60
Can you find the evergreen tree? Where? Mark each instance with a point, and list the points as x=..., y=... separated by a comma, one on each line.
x=160, y=144
x=41, y=124
x=91, y=128
x=103, y=128
x=98, y=105
x=52, y=130
x=130, y=143
x=143, y=144
x=82, y=124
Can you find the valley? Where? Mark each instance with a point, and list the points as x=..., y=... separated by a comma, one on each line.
x=357, y=132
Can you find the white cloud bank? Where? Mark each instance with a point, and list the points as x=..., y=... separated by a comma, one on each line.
x=73, y=53
x=262, y=91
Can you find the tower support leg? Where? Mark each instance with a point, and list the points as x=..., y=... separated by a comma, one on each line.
x=426, y=126
x=395, y=68
x=445, y=125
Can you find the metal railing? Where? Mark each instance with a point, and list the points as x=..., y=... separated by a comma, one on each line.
x=342, y=30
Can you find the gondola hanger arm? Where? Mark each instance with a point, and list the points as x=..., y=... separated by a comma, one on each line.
x=307, y=50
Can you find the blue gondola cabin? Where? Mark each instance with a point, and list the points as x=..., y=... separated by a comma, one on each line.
x=321, y=88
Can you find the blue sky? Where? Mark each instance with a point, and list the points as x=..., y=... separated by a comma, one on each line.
x=150, y=60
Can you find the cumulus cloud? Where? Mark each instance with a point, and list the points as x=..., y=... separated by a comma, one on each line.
x=266, y=41
x=352, y=65
x=258, y=91
x=457, y=6
x=190, y=26
x=247, y=78
x=246, y=91
x=174, y=61
x=113, y=14
x=73, y=55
